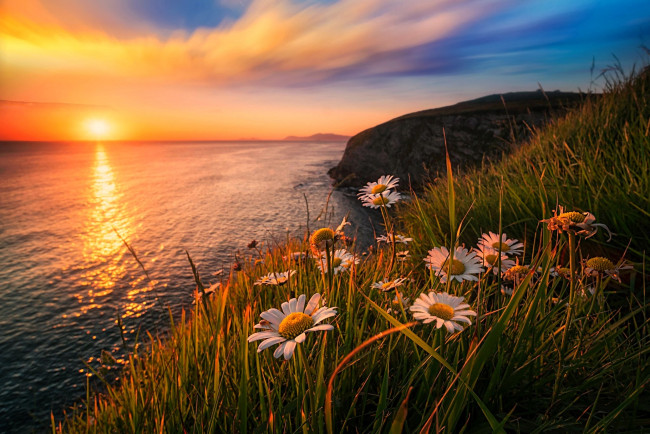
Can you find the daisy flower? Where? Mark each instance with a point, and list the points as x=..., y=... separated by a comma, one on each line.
x=599, y=266
x=385, y=182
x=445, y=309
x=388, y=285
x=382, y=199
x=341, y=261
x=288, y=326
x=463, y=266
x=490, y=257
x=404, y=301
x=402, y=256
x=576, y=222
x=388, y=239
x=507, y=246
x=517, y=273
x=560, y=272
x=277, y=279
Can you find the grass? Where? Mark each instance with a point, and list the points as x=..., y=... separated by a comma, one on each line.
x=550, y=357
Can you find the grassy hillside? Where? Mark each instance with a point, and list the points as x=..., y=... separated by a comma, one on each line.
x=594, y=159
x=556, y=345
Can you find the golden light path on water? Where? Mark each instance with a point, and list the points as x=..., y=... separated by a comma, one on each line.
x=103, y=250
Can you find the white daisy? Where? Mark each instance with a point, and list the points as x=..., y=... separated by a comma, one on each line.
x=341, y=261
x=445, y=309
x=388, y=285
x=385, y=182
x=463, y=266
x=388, y=239
x=386, y=199
x=404, y=301
x=402, y=256
x=509, y=247
x=489, y=257
x=277, y=279
x=288, y=326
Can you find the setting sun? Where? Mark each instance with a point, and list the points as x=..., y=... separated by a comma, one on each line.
x=98, y=128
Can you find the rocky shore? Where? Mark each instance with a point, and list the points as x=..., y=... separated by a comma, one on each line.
x=412, y=146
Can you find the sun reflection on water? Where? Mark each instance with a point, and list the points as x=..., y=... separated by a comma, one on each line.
x=106, y=267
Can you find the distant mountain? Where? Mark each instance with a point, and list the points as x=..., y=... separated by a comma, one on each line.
x=319, y=137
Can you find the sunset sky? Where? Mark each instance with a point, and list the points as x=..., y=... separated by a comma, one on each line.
x=233, y=69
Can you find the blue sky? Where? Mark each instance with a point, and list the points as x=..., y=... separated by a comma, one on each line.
x=274, y=68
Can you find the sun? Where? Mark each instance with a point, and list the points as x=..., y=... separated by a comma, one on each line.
x=98, y=128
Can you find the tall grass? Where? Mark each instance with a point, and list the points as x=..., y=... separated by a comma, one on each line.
x=524, y=365
x=596, y=158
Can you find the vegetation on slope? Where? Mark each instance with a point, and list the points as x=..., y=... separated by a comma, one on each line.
x=566, y=351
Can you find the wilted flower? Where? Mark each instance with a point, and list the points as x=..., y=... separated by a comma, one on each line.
x=462, y=267
x=289, y=326
x=599, y=266
x=384, y=183
x=575, y=222
x=388, y=285
x=325, y=238
x=517, y=273
x=252, y=244
x=507, y=246
x=386, y=199
x=445, y=309
x=278, y=279
x=560, y=272
x=342, y=260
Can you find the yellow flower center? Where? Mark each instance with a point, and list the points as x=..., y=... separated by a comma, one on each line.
x=563, y=271
x=442, y=311
x=503, y=246
x=456, y=268
x=380, y=200
x=386, y=285
x=379, y=188
x=336, y=262
x=491, y=259
x=324, y=234
x=295, y=324
x=282, y=280
x=573, y=216
x=519, y=270
x=600, y=264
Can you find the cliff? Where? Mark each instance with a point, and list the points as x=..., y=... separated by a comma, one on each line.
x=412, y=146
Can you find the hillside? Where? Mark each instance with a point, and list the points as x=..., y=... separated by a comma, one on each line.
x=412, y=146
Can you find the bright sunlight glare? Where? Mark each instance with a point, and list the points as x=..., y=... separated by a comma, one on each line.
x=98, y=128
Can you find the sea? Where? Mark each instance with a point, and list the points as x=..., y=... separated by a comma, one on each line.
x=67, y=212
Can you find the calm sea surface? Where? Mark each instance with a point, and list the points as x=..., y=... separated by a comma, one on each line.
x=65, y=274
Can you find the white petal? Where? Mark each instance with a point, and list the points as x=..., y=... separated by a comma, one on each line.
x=428, y=320
x=417, y=308
x=289, y=348
x=458, y=327
x=462, y=319
x=421, y=315
x=301, y=338
x=321, y=327
x=262, y=335
x=450, y=326
x=280, y=349
x=440, y=322
x=285, y=308
x=301, y=303
x=465, y=313
x=270, y=341
x=313, y=302
x=293, y=303
x=324, y=315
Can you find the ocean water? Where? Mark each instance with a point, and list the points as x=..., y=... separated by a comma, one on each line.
x=65, y=273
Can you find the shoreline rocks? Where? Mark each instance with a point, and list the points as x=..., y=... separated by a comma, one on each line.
x=412, y=146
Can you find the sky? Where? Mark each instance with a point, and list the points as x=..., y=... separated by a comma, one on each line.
x=266, y=69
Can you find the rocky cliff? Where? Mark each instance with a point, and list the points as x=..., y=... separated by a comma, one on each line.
x=412, y=146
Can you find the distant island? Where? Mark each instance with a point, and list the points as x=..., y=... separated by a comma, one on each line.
x=319, y=137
